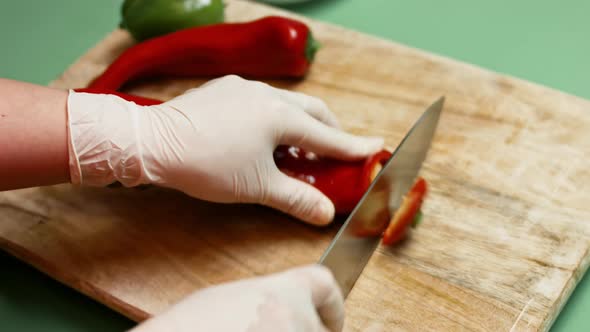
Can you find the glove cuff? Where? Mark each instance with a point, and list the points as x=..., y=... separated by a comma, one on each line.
x=103, y=140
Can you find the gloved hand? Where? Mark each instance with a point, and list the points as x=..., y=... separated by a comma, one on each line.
x=304, y=299
x=214, y=143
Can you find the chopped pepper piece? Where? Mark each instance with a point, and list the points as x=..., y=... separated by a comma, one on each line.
x=404, y=216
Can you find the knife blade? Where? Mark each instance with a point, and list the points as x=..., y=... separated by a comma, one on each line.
x=348, y=253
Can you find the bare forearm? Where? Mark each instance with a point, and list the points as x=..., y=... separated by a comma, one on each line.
x=33, y=135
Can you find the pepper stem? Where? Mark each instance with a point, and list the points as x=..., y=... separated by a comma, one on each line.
x=417, y=219
x=311, y=47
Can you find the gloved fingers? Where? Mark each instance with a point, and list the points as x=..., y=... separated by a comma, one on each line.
x=311, y=105
x=326, y=295
x=330, y=308
x=303, y=131
x=299, y=199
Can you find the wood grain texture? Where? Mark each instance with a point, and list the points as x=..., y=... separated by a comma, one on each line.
x=506, y=229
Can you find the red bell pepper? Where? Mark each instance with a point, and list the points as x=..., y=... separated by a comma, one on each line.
x=405, y=216
x=270, y=47
x=344, y=182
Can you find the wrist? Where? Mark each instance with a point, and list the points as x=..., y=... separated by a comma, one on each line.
x=162, y=132
x=103, y=144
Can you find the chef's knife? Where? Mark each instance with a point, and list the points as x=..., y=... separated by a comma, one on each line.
x=348, y=253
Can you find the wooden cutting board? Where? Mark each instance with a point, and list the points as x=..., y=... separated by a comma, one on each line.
x=506, y=228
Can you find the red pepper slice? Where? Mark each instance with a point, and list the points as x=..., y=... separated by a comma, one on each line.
x=374, y=218
x=269, y=47
x=402, y=220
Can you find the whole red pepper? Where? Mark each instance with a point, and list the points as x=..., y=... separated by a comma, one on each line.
x=270, y=47
x=343, y=182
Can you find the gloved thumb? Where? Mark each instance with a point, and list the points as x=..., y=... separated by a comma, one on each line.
x=299, y=199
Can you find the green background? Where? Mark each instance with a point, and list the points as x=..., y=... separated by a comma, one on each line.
x=542, y=41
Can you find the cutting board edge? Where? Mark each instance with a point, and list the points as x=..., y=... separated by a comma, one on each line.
x=91, y=292
x=567, y=291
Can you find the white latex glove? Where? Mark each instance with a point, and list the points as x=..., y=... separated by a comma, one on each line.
x=214, y=143
x=305, y=299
